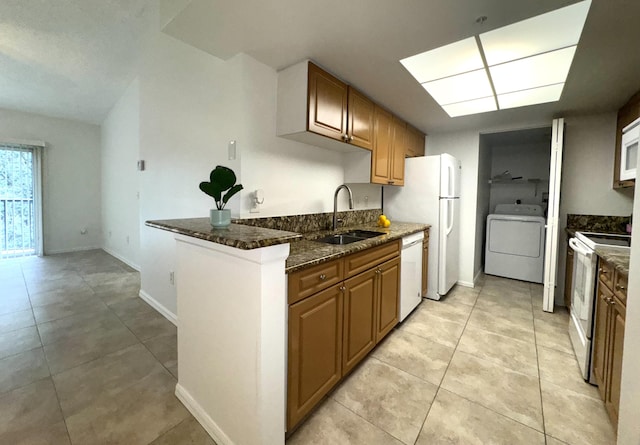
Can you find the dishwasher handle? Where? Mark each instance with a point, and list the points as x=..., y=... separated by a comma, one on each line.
x=404, y=246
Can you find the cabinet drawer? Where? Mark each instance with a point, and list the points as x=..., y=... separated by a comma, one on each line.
x=620, y=286
x=605, y=273
x=359, y=262
x=307, y=282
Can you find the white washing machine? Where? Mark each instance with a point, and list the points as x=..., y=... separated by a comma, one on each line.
x=515, y=242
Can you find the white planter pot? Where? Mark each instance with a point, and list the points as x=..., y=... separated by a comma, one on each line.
x=220, y=218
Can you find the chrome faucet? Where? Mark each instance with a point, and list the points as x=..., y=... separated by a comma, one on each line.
x=335, y=204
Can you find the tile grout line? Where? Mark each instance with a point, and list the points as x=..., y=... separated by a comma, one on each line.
x=46, y=360
x=448, y=365
x=535, y=339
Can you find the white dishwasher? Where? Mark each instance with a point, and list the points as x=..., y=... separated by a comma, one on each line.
x=410, y=273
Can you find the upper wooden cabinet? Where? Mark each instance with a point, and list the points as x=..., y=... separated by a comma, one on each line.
x=328, y=99
x=415, y=142
x=338, y=111
x=627, y=114
x=317, y=108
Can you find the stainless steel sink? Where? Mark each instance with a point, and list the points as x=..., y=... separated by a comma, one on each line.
x=349, y=237
x=366, y=234
x=339, y=239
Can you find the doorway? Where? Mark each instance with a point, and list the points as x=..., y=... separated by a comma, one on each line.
x=513, y=202
x=19, y=201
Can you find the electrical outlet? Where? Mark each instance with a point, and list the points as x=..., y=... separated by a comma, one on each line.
x=127, y=239
x=172, y=278
x=109, y=233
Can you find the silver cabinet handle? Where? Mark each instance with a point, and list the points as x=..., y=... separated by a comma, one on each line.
x=323, y=277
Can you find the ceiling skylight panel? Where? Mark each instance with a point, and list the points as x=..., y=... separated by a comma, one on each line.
x=471, y=107
x=533, y=96
x=546, y=32
x=456, y=58
x=462, y=87
x=544, y=69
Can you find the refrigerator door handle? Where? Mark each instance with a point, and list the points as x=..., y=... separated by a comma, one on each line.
x=449, y=216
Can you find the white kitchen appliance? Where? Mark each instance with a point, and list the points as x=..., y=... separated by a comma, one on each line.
x=410, y=273
x=514, y=246
x=629, y=153
x=583, y=292
x=431, y=195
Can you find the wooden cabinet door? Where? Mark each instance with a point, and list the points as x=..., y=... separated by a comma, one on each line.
x=327, y=104
x=614, y=362
x=361, y=126
x=600, y=336
x=382, y=145
x=425, y=267
x=398, y=148
x=315, y=351
x=568, y=276
x=359, y=330
x=388, y=297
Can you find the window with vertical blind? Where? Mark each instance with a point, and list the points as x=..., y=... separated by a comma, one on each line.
x=20, y=201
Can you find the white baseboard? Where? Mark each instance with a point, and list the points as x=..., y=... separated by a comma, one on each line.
x=75, y=249
x=202, y=417
x=166, y=313
x=121, y=258
x=465, y=283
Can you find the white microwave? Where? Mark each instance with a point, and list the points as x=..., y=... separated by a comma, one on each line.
x=629, y=154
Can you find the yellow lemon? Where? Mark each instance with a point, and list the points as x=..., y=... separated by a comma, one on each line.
x=387, y=223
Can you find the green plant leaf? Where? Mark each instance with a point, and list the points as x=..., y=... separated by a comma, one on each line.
x=223, y=177
x=232, y=191
x=212, y=190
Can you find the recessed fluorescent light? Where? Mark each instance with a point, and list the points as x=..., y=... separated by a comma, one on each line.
x=456, y=58
x=468, y=86
x=550, y=93
x=471, y=107
x=546, y=32
x=531, y=72
x=524, y=62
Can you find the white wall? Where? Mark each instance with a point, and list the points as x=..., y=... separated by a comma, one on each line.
x=119, y=154
x=71, y=177
x=531, y=161
x=628, y=425
x=191, y=105
x=587, y=178
x=464, y=146
x=483, y=202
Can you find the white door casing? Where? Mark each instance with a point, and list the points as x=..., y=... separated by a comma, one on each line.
x=551, y=243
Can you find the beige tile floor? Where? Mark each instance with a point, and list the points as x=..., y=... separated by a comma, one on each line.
x=83, y=360
x=482, y=366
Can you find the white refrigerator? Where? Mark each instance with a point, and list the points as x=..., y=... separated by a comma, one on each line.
x=431, y=195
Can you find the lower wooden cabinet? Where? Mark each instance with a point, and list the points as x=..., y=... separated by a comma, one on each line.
x=315, y=350
x=568, y=276
x=331, y=331
x=387, y=298
x=608, y=339
x=359, y=329
x=425, y=263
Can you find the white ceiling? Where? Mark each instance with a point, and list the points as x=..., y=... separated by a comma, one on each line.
x=74, y=58
x=70, y=58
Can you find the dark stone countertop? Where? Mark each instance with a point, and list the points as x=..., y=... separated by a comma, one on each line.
x=619, y=258
x=306, y=252
x=236, y=235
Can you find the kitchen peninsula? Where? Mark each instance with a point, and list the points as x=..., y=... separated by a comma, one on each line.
x=232, y=315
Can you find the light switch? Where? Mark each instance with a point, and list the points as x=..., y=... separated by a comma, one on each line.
x=232, y=150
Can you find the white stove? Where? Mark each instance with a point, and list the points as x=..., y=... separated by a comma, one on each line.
x=584, y=289
x=593, y=240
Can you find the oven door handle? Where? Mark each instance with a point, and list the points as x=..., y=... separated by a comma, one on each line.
x=580, y=248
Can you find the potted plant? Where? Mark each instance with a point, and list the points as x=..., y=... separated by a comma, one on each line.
x=222, y=179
